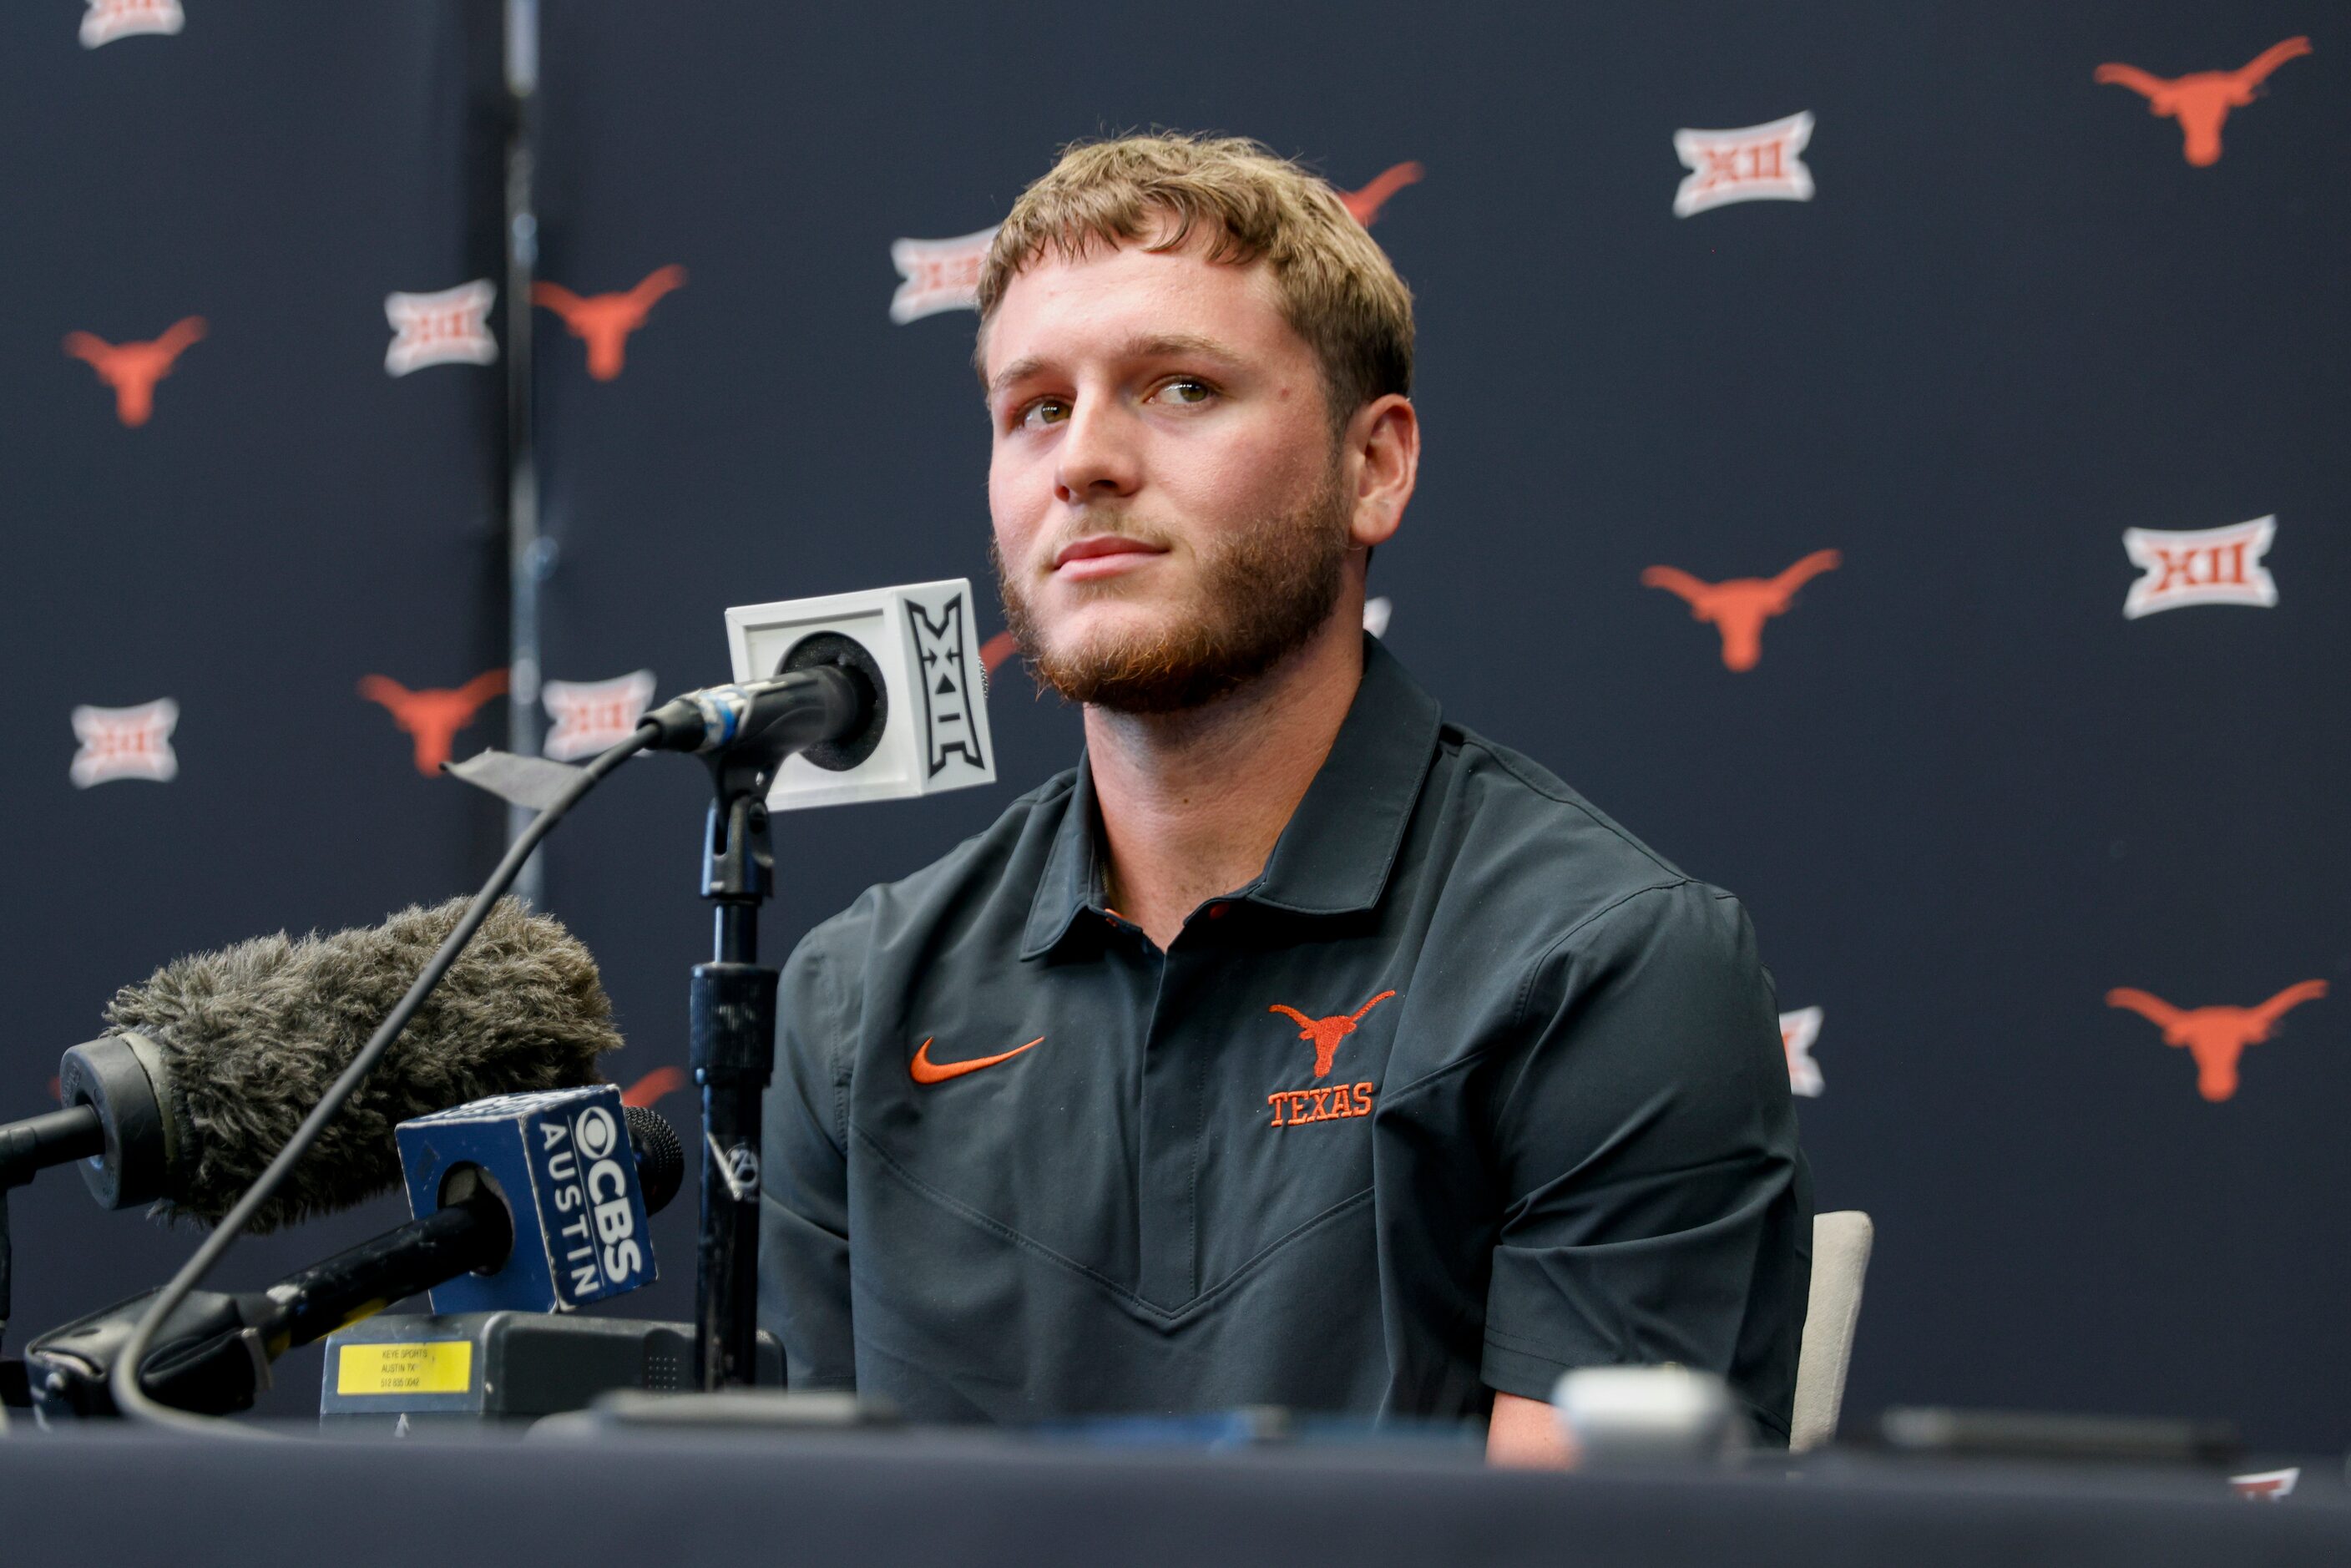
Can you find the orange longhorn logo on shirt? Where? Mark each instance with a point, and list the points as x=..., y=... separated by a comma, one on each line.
x=1364, y=206
x=1740, y=607
x=1326, y=1033
x=2215, y=1036
x=605, y=321
x=133, y=369
x=433, y=716
x=2201, y=102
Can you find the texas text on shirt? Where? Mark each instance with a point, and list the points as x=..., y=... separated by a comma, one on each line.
x=1469, y=1088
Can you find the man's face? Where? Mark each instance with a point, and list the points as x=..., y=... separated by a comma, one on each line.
x=1171, y=513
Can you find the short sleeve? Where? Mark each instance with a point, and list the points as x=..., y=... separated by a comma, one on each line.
x=1656, y=1209
x=804, y=1171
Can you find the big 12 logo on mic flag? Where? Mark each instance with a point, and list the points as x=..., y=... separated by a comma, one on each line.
x=923, y=642
x=949, y=678
x=562, y=1161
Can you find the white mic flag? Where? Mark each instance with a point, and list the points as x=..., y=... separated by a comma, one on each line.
x=924, y=641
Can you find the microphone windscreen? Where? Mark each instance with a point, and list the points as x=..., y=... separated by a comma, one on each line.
x=253, y=1035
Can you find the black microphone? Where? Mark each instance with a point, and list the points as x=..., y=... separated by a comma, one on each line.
x=212, y=1064
x=806, y=707
x=28, y=1148
x=213, y=1354
x=52, y=1138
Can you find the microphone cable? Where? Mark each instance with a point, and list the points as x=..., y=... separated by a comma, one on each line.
x=132, y=1400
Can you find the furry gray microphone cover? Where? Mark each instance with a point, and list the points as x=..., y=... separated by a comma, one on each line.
x=254, y=1034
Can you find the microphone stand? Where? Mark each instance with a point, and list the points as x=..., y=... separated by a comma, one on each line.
x=745, y=733
x=732, y=1043
x=15, y=1393
x=28, y=1148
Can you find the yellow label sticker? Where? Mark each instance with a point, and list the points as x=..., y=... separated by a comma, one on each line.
x=438, y=1367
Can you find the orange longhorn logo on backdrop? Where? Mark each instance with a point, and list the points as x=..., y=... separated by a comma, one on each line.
x=1364, y=204
x=2201, y=102
x=1326, y=1033
x=1738, y=608
x=432, y=716
x=2215, y=1036
x=605, y=321
x=648, y=1090
x=133, y=369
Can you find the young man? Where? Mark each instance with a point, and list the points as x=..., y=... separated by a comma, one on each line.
x=1297, y=1046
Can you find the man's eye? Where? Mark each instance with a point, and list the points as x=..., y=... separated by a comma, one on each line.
x=1186, y=392
x=1043, y=412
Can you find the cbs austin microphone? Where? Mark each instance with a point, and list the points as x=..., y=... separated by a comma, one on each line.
x=524, y=1203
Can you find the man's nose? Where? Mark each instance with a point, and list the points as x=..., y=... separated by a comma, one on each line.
x=1097, y=455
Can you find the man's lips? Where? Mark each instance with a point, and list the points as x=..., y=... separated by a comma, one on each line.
x=1101, y=555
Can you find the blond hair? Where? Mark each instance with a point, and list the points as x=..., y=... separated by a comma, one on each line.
x=1336, y=288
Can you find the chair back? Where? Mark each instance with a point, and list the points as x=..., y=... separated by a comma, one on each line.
x=1841, y=1243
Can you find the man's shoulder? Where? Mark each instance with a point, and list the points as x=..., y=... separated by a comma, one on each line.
x=1532, y=848
x=968, y=884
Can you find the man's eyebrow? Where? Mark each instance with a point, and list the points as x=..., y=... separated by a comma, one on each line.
x=1163, y=345
x=1019, y=370
x=1156, y=346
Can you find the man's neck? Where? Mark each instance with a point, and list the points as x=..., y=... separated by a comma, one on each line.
x=1192, y=802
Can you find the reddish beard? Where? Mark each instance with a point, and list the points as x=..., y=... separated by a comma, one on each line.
x=1263, y=593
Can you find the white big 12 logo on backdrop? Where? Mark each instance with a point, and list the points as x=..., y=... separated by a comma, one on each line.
x=924, y=645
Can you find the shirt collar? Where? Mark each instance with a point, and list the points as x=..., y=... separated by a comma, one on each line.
x=1071, y=883
x=1335, y=855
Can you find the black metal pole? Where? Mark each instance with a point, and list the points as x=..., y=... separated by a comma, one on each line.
x=530, y=554
x=732, y=1035
x=29, y=1147
x=16, y=1394
x=26, y=1148
x=474, y=1233
x=733, y=1041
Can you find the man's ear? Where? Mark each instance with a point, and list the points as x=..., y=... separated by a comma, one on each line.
x=1384, y=439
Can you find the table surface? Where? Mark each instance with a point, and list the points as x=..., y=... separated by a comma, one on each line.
x=125, y=1498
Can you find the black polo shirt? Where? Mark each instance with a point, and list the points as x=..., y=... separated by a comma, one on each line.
x=1469, y=1088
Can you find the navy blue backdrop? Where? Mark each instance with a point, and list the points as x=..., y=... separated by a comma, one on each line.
x=288, y=518
x=1975, y=315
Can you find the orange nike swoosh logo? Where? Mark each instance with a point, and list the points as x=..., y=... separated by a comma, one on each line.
x=925, y=1071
